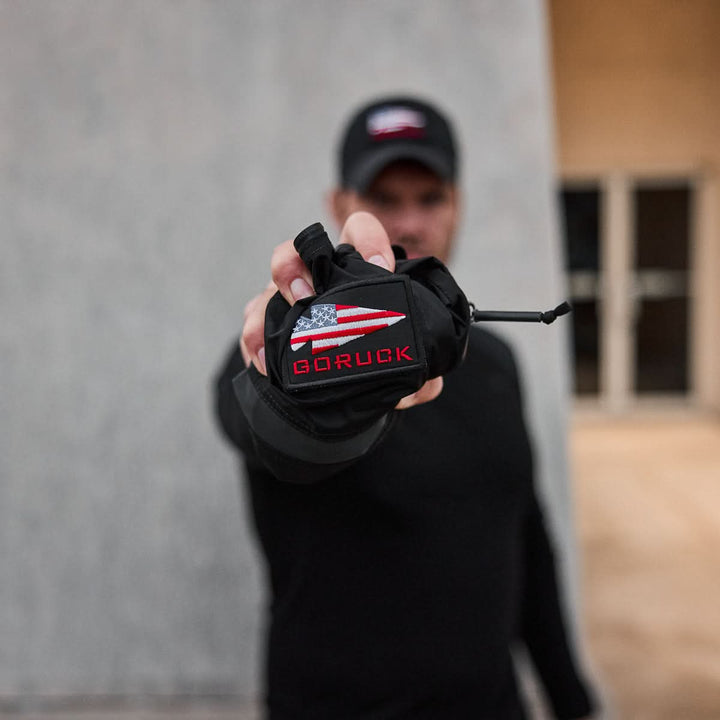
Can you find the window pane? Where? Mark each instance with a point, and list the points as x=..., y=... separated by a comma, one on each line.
x=662, y=337
x=586, y=347
x=662, y=251
x=662, y=227
x=581, y=216
x=581, y=225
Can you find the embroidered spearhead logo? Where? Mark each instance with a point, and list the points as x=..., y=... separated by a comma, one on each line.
x=330, y=325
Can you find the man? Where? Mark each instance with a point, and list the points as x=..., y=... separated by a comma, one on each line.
x=401, y=583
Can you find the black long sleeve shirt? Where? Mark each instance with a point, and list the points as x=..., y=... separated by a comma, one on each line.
x=400, y=584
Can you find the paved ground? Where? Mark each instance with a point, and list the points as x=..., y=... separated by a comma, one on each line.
x=648, y=501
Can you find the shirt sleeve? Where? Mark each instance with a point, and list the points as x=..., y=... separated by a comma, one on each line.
x=229, y=417
x=543, y=625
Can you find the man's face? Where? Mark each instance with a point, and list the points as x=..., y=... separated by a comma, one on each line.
x=418, y=209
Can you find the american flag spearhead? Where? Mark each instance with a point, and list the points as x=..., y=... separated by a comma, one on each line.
x=331, y=325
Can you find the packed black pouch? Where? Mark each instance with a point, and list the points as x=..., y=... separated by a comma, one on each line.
x=338, y=362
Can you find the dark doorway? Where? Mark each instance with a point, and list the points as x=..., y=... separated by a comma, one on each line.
x=662, y=303
x=581, y=222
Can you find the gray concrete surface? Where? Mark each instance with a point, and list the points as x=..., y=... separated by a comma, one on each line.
x=151, y=154
x=178, y=710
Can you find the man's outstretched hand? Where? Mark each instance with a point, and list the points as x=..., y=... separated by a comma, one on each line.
x=292, y=278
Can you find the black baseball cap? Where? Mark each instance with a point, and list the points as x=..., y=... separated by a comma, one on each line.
x=395, y=128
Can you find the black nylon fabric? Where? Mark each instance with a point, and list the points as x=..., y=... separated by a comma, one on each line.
x=439, y=313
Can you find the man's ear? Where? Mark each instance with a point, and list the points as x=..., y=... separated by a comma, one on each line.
x=339, y=202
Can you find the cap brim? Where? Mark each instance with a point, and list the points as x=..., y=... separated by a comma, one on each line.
x=369, y=167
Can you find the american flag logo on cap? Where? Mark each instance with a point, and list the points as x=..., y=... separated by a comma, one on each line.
x=396, y=122
x=330, y=325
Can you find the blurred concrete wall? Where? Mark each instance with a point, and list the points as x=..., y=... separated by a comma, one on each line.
x=151, y=155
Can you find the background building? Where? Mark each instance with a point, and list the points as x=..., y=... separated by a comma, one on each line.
x=638, y=135
x=637, y=109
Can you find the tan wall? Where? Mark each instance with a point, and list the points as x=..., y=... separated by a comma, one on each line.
x=637, y=87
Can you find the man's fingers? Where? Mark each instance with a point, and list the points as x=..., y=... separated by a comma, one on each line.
x=252, y=340
x=290, y=274
x=361, y=230
x=365, y=233
x=292, y=278
x=429, y=391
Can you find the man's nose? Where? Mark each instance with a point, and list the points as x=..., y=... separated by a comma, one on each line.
x=410, y=222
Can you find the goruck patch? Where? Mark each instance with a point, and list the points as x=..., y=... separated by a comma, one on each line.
x=363, y=331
